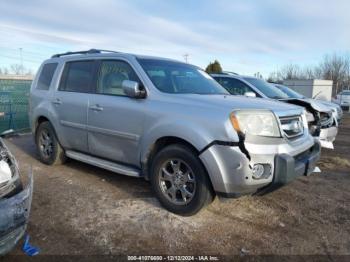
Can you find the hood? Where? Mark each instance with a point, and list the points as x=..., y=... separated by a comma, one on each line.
x=315, y=104
x=328, y=104
x=238, y=102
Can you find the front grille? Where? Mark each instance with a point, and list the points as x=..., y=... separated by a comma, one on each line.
x=292, y=126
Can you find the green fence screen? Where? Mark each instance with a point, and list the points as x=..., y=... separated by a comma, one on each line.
x=14, y=94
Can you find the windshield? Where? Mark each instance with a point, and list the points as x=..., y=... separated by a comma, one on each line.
x=179, y=78
x=266, y=88
x=289, y=92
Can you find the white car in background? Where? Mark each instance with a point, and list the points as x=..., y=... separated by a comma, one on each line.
x=343, y=98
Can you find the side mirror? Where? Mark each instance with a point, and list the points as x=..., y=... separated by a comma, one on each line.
x=133, y=89
x=250, y=94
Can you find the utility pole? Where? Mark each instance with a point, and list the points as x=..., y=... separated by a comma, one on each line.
x=186, y=57
x=21, y=57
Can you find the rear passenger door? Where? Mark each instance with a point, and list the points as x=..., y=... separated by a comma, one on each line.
x=115, y=121
x=70, y=103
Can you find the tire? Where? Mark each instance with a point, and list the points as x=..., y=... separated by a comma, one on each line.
x=50, y=151
x=180, y=181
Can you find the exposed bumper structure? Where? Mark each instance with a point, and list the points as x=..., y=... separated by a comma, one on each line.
x=327, y=136
x=231, y=171
x=14, y=214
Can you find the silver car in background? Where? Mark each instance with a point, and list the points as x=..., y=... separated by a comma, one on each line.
x=168, y=122
x=343, y=98
x=336, y=109
x=322, y=122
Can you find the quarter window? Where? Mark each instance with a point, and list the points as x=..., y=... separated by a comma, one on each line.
x=77, y=77
x=46, y=76
x=111, y=76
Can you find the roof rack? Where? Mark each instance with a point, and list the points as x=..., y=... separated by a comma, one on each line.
x=91, y=51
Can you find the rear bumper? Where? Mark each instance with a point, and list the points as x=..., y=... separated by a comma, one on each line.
x=14, y=214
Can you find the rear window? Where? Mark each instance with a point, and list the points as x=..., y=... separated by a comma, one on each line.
x=77, y=77
x=46, y=76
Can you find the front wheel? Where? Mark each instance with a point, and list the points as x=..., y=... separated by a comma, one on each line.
x=50, y=151
x=180, y=181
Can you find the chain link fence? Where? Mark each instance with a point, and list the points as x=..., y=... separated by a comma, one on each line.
x=14, y=98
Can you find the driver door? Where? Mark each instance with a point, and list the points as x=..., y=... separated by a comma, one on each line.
x=115, y=121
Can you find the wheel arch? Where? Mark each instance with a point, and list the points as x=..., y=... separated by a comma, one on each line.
x=160, y=143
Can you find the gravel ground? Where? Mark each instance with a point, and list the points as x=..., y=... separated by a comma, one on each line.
x=79, y=209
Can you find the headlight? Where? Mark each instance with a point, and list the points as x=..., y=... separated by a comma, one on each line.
x=5, y=172
x=255, y=122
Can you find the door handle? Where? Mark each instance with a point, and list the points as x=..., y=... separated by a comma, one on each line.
x=57, y=101
x=96, y=108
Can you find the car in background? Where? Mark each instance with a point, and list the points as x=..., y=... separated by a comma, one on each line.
x=15, y=201
x=321, y=121
x=168, y=122
x=343, y=98
x=336, y=109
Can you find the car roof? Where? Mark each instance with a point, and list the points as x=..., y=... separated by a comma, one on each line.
x=233, y=76
x=101, y=53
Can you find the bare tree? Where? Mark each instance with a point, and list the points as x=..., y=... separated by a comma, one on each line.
x=308, y=73
x=17, y=69
x=332, y=67
x=335, y=67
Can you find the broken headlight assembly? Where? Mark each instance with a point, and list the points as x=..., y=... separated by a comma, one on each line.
x=309, y=116
x=9, y=175
x=255, y=122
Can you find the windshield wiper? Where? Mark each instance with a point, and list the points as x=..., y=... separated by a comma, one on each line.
x=316, y=95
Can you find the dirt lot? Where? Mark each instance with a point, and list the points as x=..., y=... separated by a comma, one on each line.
x=80, y=209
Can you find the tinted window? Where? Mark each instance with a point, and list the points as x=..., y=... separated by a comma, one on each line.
x=179, y=78
x=46, y=75
x=77, y=77
x=266, y=88
x=234, y=86
x=111, y=76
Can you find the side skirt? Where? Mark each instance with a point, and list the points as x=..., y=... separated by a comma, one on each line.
x=105, y=164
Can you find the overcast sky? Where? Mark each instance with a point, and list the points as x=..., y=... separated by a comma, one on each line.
x=245, y=36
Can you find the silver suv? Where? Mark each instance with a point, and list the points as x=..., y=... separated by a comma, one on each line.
x=168, y=122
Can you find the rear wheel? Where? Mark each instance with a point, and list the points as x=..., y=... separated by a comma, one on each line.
x=50, y=151
x=180, y=181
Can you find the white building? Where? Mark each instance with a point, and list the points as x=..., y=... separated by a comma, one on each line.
x=321, y=89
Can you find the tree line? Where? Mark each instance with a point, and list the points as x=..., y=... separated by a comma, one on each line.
x=15, y=69
x=335, y=67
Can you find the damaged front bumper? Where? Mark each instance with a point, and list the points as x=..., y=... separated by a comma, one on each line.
x=327, y=136
x=231, y=170
x=15, y=201
x=14, y=214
